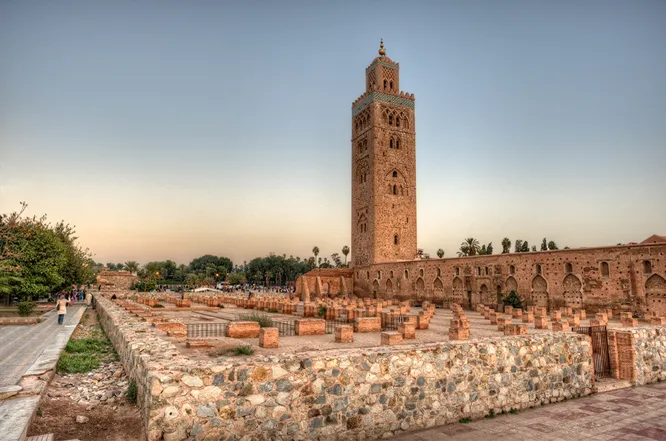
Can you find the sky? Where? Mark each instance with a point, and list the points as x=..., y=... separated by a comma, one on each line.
x=171, y=129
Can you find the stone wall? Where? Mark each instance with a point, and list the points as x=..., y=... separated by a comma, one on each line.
x=635, y=279
x=348, y=394
x=325, y=282
x=638, y=354
x=116, y=280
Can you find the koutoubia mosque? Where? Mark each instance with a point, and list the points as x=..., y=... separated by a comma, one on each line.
x=386, y=263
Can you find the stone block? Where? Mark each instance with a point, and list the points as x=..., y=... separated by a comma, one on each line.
x=540, y=322
x=422, y=322
x=368, y=324
x=493, y=317
x=344, y=334
x=629, y=322
x=561, y=326
x=508, y=310
x=517, y=313
x=528, y=317
x=658, y=320
x=515, y=329
x=269, y=337
x=391, y=338
x=503, y=321
x=555, y=315
x=408, y=330
x=311, y=327
x=243, y=330
x=458, y=334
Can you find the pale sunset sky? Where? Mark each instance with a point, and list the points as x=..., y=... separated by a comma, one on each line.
x=170, y=129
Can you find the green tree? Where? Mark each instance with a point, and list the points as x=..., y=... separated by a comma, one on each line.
x=345, y=251
x=315, y=251
x=132, y=266
x=552, y=245
x=482, y=251
x=489, y=248
x=544, y=245
x=440, y=253
x=236, y=278
x=526, y=247
x=469, y=247
x=518, y=246
x=533, y=247
x=506, y=245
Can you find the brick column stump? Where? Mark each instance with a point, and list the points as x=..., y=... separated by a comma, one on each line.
x=311, y=327
x=541, y=322
x=344, y=334
x=268, y=337
x=391, y=338
x=408, y=330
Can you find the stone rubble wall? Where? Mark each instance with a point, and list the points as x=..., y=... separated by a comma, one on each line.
x=639, y=354
x=342, y=394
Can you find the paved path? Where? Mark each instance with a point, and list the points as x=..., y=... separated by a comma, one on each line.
x=22, y=345
x=634, y=414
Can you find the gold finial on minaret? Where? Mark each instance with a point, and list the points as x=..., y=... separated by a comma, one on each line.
x=382, y=51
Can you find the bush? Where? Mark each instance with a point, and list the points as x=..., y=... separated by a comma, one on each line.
x=274, y=311
x=220, y=305
x=264, y=320
x=87, y=345
x=77, y=363
x=132, y=392
x=243, y=350
x=322, y=311
x=145, y=285
x=25, y=308
x=513, y=300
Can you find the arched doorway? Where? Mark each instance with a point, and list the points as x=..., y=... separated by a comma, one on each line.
x=511, y=285
x=438, y=287
x=389, y=289
x=484, y=294
x=540, y=292
x=375, y=288
x=420, y=289
x=655, y=294
x=325, y=288
x=573, y=294
x=457, y=290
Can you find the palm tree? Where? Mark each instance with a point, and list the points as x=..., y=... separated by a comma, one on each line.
x=469, y=247
x=506, y=245
x=132, y=266
x=315, y=251
x=345, y=251
x=440, y=253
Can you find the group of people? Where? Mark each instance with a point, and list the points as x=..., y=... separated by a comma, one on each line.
x=67, y=298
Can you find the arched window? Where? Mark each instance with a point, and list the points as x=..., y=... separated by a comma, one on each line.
x=568, y=268
x=379, y=275
x=367, y=274
x=385, y=82
x=512, y=269
x=647, y=267
x=390, y=120
x=395, y=174
x=538, y=269
x=395, y=189
x=439, y=272
x=395, y=240
x=421, y=272
x=605, y=269
x=406, y=274
x=397, y=143
x=365, y=177
x=457, y=271
x=391, y=143
x=391, y=273
x=391, y=85
x=397, y=121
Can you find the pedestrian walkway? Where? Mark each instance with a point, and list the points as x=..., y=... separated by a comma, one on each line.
x=22, y=345
x=634, y=414
x=30, y=350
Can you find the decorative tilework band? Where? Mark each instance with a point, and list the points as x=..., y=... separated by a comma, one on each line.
x=383, y=97
x=381, y=63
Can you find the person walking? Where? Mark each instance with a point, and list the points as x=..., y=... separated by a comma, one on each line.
x=61, y=308
x=88, y=297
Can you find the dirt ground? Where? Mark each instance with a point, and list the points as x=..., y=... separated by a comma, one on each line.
x=114, y=419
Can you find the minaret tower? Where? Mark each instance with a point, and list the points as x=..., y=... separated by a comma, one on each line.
x=383, y=168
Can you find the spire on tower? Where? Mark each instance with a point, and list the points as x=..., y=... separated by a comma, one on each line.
x=382, y=51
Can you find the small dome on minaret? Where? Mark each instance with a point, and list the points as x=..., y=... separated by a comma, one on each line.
x=382, y=51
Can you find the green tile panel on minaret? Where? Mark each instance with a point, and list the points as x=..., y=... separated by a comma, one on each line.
x=383, y=97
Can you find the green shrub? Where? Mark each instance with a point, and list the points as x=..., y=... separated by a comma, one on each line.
x=243, y=350
x=464, y=420
x=513, y=300
x=322, y=311
x=159, y=305
x=77, y=363
x=25, y=308
x=273, y=311
x=220, y=305
x=132, y=392
x=264, y=320
x=513, y=411
x=87, y=346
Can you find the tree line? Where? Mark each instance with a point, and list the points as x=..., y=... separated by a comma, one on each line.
x=471, y=247
x=38, y=258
